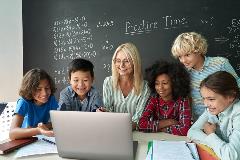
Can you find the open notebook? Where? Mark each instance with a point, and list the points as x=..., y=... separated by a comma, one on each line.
x=172, y=150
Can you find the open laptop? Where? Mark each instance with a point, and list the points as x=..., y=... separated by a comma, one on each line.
x=93, y=135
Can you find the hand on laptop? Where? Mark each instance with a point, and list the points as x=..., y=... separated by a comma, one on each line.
x=43, y=129
x=101, y=109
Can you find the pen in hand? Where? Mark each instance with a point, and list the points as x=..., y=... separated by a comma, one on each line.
x=48, y=141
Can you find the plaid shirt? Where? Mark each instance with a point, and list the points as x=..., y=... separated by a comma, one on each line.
x=157, y=109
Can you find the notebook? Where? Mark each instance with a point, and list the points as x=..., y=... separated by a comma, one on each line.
x=206, y=153
x=93, y=135
x=11, y=145
x=177, y=150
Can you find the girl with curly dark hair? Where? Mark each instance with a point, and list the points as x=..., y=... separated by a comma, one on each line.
x=168, y=109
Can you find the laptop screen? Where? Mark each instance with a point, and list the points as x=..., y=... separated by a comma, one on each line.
x=93, y=135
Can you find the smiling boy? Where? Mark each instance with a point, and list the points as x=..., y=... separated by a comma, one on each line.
x=80, y=95
x=190, y=49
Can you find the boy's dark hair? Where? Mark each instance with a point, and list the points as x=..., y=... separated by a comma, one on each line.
x=80, y=64
x=179, y=77
x=31, y=81
x=223, y=83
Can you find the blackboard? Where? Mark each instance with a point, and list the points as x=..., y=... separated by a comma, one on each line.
x=57, y=31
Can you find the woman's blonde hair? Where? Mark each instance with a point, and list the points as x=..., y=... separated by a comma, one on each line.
x=189, y=42
x=132, y=52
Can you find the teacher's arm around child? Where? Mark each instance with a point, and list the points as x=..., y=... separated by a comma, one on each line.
x=219, y=126
x=168, y=110
x=32, y=116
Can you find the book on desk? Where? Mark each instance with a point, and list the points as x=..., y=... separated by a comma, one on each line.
x=179, y=149
x=206, y=152
x=11, y=145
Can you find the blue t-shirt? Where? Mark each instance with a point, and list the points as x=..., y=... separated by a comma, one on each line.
x=34, y=114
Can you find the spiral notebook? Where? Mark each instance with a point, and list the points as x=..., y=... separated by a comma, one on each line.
x=177, y=150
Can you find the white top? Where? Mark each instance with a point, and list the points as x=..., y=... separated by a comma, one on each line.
x=226, y=140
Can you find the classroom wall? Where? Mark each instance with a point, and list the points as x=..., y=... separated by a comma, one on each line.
x=11, y=49
x=92, y=29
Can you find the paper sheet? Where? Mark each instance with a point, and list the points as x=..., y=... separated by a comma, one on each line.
x=149, y=154
x=170, y=150
x=37, y=148
x=193, y=148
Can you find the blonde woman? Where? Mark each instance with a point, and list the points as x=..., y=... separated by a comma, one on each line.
x=126, y=91
x=190, y=48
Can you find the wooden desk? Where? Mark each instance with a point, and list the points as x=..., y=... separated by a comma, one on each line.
x=142, y=139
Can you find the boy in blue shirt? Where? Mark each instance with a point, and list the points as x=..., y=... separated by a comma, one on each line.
x=80, y=95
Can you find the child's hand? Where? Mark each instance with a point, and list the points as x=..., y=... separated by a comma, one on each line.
x=101, y=109
x=43, y=129
x=209, y=128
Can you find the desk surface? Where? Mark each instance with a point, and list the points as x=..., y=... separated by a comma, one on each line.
x=142, y=139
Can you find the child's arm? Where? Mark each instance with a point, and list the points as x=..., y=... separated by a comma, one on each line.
x=146, y=122
x=16, y=132
x=196, y=131
x=45, y=129
x=226, y=149
x=184, y=119
x=163, y=124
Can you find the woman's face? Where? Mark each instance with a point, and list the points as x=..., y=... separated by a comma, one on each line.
x=42, y=93
x=123, y=64
x=163, y=86
x=215, y=102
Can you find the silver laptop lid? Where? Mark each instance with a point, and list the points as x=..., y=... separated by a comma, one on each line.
x=93, y=135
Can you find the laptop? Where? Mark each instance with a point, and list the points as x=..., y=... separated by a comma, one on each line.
x=93, y=135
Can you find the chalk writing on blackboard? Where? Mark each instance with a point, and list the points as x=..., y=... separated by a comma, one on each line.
x=175, y=22
x=107, y=46
x=143, y=26
x=105, y=24
x=107, y=67
x=72, y=38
